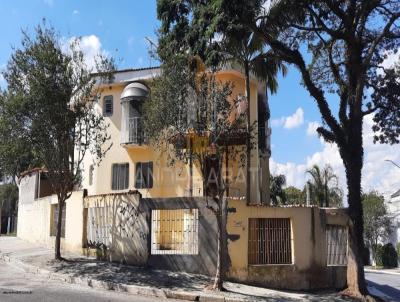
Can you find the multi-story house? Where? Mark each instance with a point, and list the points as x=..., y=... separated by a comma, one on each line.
x=133, y=164
x=139, y=209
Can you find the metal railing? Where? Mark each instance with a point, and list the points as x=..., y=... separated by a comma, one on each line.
x=136, y=131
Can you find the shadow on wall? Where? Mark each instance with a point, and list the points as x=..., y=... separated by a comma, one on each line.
x=122, y=223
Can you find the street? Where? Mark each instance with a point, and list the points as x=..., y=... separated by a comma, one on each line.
x=17, y=285
x=388, y=284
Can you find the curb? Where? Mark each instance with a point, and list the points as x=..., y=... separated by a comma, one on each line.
x=119, y=287
x=377, y=271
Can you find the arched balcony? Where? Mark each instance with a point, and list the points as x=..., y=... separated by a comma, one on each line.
x=132, y=126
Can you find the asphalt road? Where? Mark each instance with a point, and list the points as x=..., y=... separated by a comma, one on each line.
x=389, y=284
x=17, y=285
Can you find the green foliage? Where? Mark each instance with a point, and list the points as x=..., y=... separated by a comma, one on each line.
x=277, y=191
x=377, y=254
x=386, y=97
x=366, y=256
x=385, y=255
x=9, y=198
x=377, y=221
x=324, y=188
x=398, y=248
x=295, y=196
x=185, y=102
x=48, y=113
x=389, y=256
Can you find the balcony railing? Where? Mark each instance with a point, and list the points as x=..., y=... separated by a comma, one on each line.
x=134, y=132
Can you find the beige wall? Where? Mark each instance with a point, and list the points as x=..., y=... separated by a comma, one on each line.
x=34, y=217
x=309, y=253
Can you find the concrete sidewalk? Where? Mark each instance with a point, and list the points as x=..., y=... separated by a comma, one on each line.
x=137, y=280
x=390, y=271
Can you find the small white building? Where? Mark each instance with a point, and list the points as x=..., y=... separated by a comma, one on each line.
x=394, y=209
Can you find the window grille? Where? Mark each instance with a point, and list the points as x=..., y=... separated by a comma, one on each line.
x=174, y=232
x=336, y=241
x=270, y=241
x=99, y=224
x=144, y=175
x=108, y=106
x=120, y=176
x=54, y=221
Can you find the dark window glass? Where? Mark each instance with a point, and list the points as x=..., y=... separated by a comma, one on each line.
x=144, y=175
x=120, y=176
x=108, y=106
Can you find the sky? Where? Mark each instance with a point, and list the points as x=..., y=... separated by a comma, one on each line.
x=118, y=28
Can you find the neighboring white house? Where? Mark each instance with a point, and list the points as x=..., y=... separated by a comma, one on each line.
x=394, y=209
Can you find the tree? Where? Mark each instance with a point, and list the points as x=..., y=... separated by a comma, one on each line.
x=192, y=118
x=242, y=48
x=50, y=104
x=295, y=196
x=277, y=192
x=337, y=46
x=247, y=50
x=324, y=186
x=8, y=200
x=377, y=221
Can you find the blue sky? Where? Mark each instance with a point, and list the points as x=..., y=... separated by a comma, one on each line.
x=119, y=28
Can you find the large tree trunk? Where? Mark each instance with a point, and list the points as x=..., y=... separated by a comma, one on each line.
x=248, y=142
x=222, y=249
x=355, y=267
x=61, y=203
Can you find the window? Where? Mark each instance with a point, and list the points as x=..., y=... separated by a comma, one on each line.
x=270, y=241
x=336, y=241
x=144, y=175
x=174, y=232
x=108, y=105
x=120, y=176
x=54, y=221
x=91, y=169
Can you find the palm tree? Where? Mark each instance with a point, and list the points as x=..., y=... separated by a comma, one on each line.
x=277, y=193
x=248, y=50
x=324, y=186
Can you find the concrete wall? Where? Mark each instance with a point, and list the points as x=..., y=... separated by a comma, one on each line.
x=129, y=225
x=309, y=269
x=34, y=217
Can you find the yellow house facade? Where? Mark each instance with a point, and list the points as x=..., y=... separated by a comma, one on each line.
x=136, y=208
x=129, y=148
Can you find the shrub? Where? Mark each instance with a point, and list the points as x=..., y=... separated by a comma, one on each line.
x=377, y=252
x=389, y=256
x=366, y=256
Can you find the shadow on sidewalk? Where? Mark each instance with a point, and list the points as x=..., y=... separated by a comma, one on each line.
x=113, y=272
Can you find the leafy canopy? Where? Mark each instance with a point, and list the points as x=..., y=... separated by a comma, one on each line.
x=49, y=114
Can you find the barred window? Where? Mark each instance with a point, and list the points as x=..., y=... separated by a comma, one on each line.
x=120, y=176
x=144, y=175
x=54, y=220
x=270, y=241
x=336, y=241
x=108, y=105
x=174, y=231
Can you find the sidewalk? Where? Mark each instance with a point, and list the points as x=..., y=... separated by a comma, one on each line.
x=390, y=271
x=136, y=280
